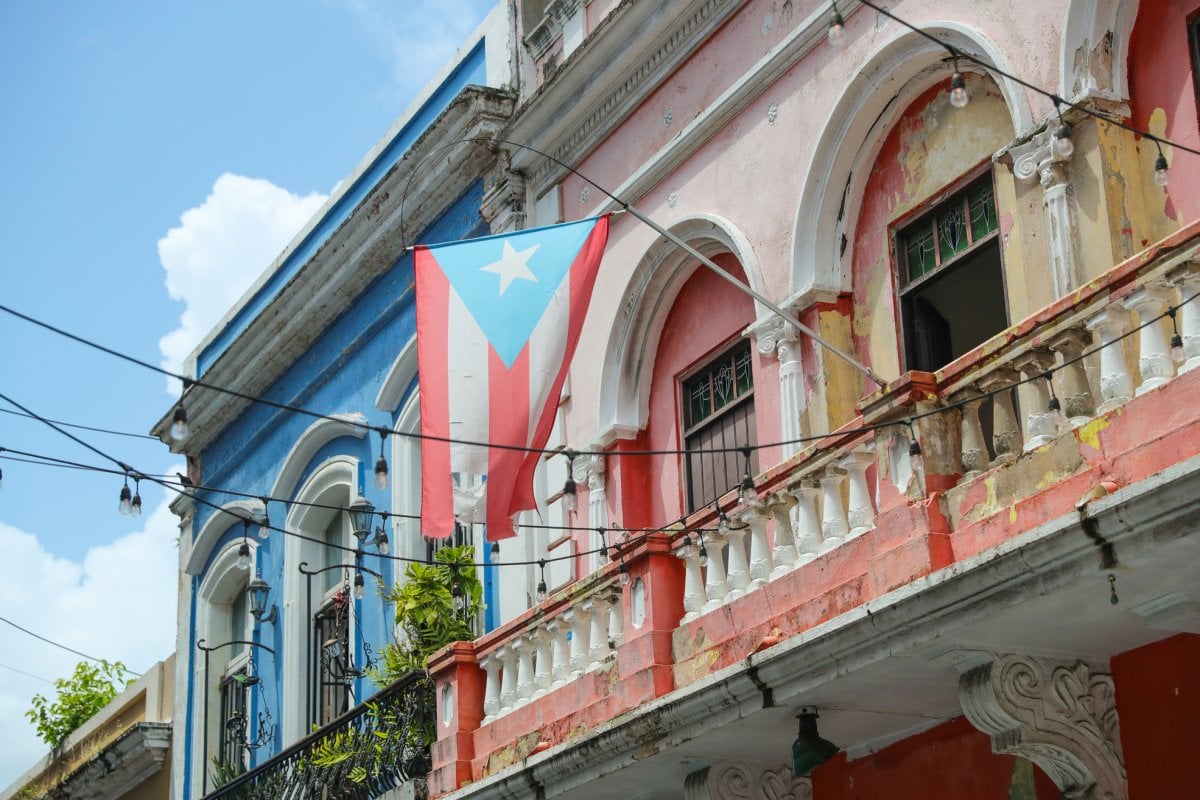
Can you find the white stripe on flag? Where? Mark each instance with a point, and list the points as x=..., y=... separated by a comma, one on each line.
x=467, y=350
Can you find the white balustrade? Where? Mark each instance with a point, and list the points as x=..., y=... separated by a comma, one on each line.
x=1187, y=279
x=508, y=678
x=1076, y=396
x=693, y=581
x=1006, y=431
x=525, y=649
x=974, y=448
x=544, y=661
x=738, y=573
x=810, y=540
x=616, y=618
x=597, y=609
x=560, y=651
x=716, y=584
x=580, y=620
x=1041, y=427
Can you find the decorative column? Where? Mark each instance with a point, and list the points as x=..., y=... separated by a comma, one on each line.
x=543, y=667
x=809, y=540
x=756, y=517
x=716, y=584
x=589, y=470
x=1116, y=384
x=784, y=553
x=745, y=780
x=1076, y=395
x=508, y=678
x=1061, y=715
x=580, y=620
x=491, y=693
x=834, y=526
x=693, y=581
x=1039, y=159
x=778, y=337
x=597, y=604
x=974, y=448
x=1154, y=352
x=560, y=657
x=1040, y=427
x=525, y=649
x=739, y=568
x=861, y=516
x=1187, y=280
x=1006, y=431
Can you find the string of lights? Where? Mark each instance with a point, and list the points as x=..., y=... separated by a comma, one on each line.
x=61, y=646
x=78, y=426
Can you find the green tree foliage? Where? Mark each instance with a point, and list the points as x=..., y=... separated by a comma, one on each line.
x=79, y=697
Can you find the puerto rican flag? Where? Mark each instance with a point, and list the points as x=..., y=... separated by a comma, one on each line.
x=498, y=319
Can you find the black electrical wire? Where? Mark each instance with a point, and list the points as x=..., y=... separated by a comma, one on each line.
x=77, y=426
x=70, y=649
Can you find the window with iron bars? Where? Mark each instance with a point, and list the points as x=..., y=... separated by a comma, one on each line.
x=718, y=414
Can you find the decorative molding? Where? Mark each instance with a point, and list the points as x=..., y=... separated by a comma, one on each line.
x=546, y=32
x=1061, y=715
x=745, y=780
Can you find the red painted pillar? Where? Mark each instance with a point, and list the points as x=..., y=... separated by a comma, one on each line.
x=459, y=687
x=653, y=605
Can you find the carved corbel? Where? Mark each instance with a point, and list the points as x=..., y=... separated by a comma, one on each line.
x=745, y=780
x=1061, y=715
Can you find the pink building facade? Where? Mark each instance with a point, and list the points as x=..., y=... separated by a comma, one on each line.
x=1012, y=614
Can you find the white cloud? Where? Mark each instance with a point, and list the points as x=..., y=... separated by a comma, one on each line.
x=118, y=603
x=418, y=36
x=220, y=248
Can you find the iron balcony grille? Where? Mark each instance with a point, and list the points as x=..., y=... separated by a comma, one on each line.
x=380, y=744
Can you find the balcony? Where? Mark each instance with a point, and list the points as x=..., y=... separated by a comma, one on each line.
x=995, y=543
x=371, y=750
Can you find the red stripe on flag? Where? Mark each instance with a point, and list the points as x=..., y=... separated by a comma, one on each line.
x=583, y=278
x=437, y=488
x=508, y=423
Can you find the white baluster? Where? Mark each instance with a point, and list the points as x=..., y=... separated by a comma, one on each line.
x=525, y=650
x=580, y=620
x=809, y=540
x=1006, y=431
x=974, y=448
x=1116, y=385
x=560, y=654
x=1187, y=278
x=508, y=678
x=491, y=690
x=1076, y=397
x=834, y=526
x=861, y=517
x=616, y=618
x=1154, y=361
x=693, y=581
x=784, y=554
x=1040, y=424
x=543, y=667
x=598, y=632
x=738, y=573
x=757, y=516
x=716, y=584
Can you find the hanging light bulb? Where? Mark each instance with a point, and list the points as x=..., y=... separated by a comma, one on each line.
x=747, y=493
x=243, y=556
x=125, y=503
x=495, y=549
x=381, y=465
x=179, y=423
x=916, y=461
x=959, y=96
x=264, y=525
x=1053, y=407
x=837, y=26
x=135, y=504
x=1, y=479
x=703, y=553
x=1177, y=354
x=381, y=541
x=456, y=592
x=623, y=574
x=1063, y=141
x=541, y=587
x=569, y=494
x=360, y=586
x=1161, y=176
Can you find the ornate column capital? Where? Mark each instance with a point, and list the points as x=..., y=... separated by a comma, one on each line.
x=589, y=470
x=1061, y=715
x=769, y=333
x=745, y=780
x=1039, y=159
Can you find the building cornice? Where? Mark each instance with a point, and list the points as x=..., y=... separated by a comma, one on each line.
x=368, y=244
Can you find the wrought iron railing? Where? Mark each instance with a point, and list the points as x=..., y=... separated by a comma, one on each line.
x=371, y=749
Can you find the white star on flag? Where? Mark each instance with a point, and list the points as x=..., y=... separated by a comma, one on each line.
x=512, y=265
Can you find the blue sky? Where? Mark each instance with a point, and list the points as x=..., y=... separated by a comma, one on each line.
x=155, y=157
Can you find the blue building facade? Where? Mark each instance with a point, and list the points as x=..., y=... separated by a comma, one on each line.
x=329, y=328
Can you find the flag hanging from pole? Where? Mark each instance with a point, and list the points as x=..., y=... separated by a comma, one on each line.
x=498, y=319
